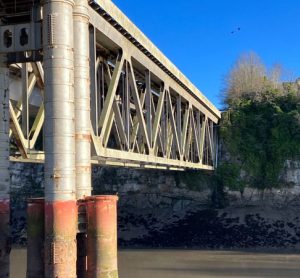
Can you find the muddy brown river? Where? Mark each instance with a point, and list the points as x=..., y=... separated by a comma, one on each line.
x=191, y=264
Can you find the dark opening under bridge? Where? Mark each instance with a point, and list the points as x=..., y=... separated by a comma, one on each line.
x=80, y=84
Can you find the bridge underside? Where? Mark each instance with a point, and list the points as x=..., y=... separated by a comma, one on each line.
x=144, y=111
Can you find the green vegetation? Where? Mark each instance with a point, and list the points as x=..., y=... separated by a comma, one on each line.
x=260, y=129
x=260, y=136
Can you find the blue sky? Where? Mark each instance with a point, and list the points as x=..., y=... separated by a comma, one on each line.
x=196, y=35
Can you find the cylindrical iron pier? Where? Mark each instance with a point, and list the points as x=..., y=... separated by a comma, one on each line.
x=59, y=136
x=82, y=99
x=82, y=123
x=102, y=237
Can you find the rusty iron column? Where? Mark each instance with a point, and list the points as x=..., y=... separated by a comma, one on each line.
x=102, y=237
x=35, y=237
x=5, y=244
x=82, y=122
x=59, y=135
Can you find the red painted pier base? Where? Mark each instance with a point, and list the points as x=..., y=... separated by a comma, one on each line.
x=60, y=239
x=102, y=237
x=5, y=242
x=35, y=237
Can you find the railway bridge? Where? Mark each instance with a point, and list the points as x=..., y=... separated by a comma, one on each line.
x=80, y=84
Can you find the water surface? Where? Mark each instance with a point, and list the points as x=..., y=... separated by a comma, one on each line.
x=191, y=264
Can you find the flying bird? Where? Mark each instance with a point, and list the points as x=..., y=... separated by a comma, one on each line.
x=238, y=29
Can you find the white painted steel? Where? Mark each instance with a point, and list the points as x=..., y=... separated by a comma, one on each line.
x=59, y=127
x=82, y=99
x=106, y=50
x=130, y=28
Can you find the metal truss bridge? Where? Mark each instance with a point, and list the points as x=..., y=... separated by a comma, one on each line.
x=81, y=84
x=143, y=111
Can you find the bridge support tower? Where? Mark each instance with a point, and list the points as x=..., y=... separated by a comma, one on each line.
x=59, y=136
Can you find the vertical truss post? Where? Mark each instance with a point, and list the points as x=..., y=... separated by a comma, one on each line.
x=4, y=169
x=60, y=199
x=212, y=142
x=93, y=79
x=202, y=138
x=165, y=125
x=25, y=102
x=127, y=104
x=216, y=142
x=198, y=130
x=178, y=121
x=148, y=106
x=185, y=128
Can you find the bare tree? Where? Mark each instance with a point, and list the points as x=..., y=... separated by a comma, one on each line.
x=249, y=77
x=274, y=77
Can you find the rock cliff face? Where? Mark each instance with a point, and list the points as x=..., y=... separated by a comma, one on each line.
x=291, y=173
x=170, y=209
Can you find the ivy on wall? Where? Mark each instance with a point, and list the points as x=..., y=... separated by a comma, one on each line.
x=259, y=136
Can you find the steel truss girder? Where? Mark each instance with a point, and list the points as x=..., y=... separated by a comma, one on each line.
x=140, y=115
x=125, y=105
